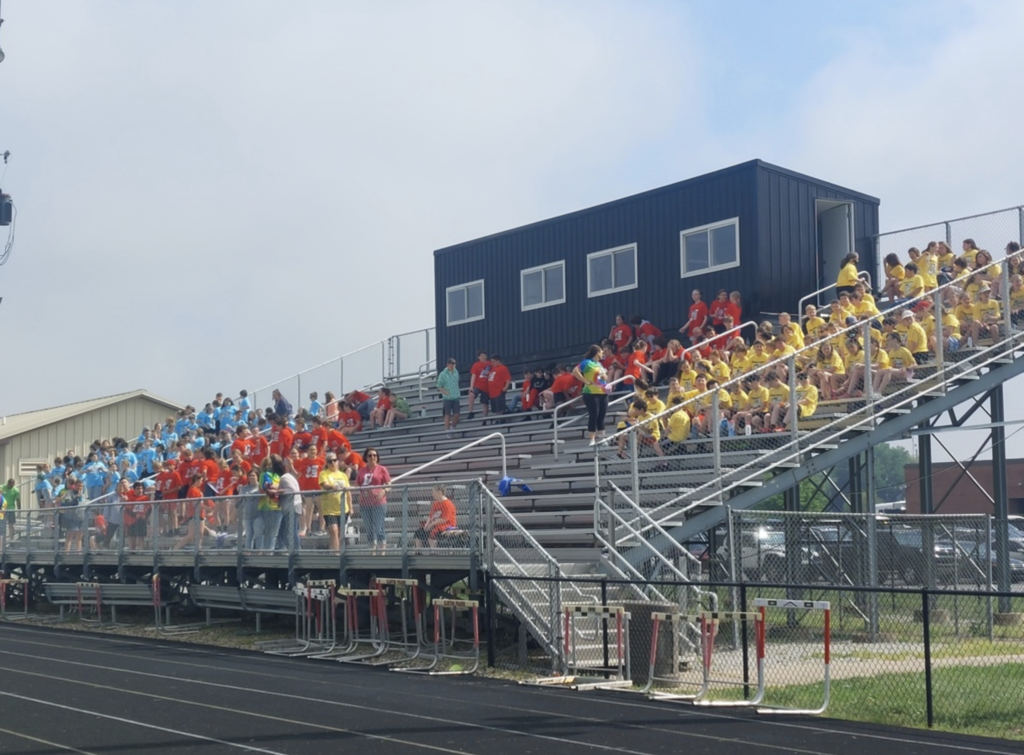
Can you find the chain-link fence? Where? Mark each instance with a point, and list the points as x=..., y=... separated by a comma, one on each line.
x=990, y=231
x=942, y=657
x=405, y=355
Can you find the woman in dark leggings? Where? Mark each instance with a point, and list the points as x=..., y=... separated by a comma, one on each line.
x=592, y=374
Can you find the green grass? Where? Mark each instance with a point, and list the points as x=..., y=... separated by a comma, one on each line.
x=970, y=700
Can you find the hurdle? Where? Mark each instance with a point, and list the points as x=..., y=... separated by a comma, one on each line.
x=762, y=604
x=573, y=669
x=316, y=630
x=709, y=629
x=410, y=644
x=445, y=643
x=13, y=582
x=353, y=640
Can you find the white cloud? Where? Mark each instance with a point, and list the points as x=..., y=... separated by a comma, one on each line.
x=216, y=195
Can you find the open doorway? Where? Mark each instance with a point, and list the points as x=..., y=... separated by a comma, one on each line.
x=835, y=237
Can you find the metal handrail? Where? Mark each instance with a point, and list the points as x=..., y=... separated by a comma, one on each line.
x=422, y=371
x=571, y=402
x=450, y=454
x=863, y=274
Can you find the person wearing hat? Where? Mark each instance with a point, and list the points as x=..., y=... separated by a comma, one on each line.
x=987, y=315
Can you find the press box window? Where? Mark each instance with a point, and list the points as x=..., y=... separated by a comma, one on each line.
x=465, y=302
x=542, y=286
x=710, y=247
x=611, y=270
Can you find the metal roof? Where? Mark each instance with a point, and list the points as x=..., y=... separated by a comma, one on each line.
x=17, y=424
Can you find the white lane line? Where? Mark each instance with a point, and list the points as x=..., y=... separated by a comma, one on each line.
x=606, y=700
x=118, y=719
x=373, y=711
x=46, y=742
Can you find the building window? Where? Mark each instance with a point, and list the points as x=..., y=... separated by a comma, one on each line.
x=611, y=270
x=542, y=286
x=710, y=247
x=465, y=302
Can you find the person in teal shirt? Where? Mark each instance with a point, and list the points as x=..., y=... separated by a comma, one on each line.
x=451, y=395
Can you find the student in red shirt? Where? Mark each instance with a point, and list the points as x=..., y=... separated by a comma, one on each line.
x=636, y=367
x=301, y=438
x=622, y=334
x=718, y=310
x=498, y=381
x=338, y=443
x=308, y=470
x=319, y=434
x=167, y=483
x=697, y=317
x=644, y=330
x=196, y=525
x=478, y=375
x=281, y=436
x=384, y=405
x=244, y=442
x=349, y=420
x=562, y=388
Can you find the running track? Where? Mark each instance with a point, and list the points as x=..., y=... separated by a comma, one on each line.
x=74, y=692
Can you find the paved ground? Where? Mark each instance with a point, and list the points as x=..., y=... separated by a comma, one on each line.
x=64, y=691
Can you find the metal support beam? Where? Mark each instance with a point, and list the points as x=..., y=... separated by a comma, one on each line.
x=1000, y=495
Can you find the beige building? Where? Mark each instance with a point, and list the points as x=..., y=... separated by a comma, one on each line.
x=34, y=437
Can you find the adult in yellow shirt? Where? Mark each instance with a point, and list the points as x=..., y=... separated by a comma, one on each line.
x=847, y=278
x=335, y=484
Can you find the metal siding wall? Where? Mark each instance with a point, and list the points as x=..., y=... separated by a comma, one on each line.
x=652, y=222
x=124, y=419
x=789, y=237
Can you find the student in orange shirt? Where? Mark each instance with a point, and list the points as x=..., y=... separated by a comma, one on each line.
x=337, y=442
x=349, y=420
x=196, y=524
x=136, y=517
x=621, y=335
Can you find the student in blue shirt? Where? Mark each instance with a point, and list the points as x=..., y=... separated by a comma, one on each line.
x=182, y=423
x=43, y=490
x=244, y=403
x=146, y=457
x=124, y=454
x=94, y=473
x=206, y=420
x=315, y=407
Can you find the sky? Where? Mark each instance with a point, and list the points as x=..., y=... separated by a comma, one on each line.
x=215, y=195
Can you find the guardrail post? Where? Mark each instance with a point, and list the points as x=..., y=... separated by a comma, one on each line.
x=716, y=441
x=940, y=339
x=634, y=466
x=554, y=429
x=405, y=533
x=794, y=409
x=1004, y=293
x=341, y=378
x=298, y=399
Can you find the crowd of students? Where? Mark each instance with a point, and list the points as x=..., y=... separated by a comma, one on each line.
x=197, y=460
x=830, y=358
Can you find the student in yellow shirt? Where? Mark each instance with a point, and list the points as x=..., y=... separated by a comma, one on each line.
x=679, y=428
x=945, y=257
x=756, y=404
x=691, y=404
x=916, y=339
x=972, y=285
x=847, y=278
x=1016, y=300
x=964, y=313
x=806, y=400
x=894, y=275
x=674, y=389
x=862, y=308
x=792, y=336
x=828, y=372
x=719, y=369
x=929, y=267
x=970, y=251
x=687, y=376
x=901, y=364
x=740, y=402
x=836, y=313
x=855, y=383
x=992, y=272
x=648, y=429
x=706, y=416
x=987, y=316
x=758, y=356
x=862, y=289
x=912, y=285
x=738, y=357
x=812, y=323
x=778, y=403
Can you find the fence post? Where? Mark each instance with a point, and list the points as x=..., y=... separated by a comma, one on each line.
x=341, y=378
x=604, y=624
x=298, y=398
x=743, y=635
x=926, y=627
x=716, y=441
x=940, y=339
x=491, y=617
x=794, y=408
x=405, y=535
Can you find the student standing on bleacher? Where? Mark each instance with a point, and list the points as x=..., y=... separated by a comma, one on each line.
x=847, y=279
x=478, y=375
x=595, y=391
x=451, y=395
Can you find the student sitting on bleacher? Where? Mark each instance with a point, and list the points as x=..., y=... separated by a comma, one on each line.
x=648, y=428
x=440, y=519
x=894, y=275
x=987, y=315
x=679, y=428
x=901, y=364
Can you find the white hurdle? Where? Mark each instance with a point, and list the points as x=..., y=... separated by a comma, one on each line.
x=13, y=582
x=574, y=670
x=762, y=604
x=445, y=644
x=707, y=623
